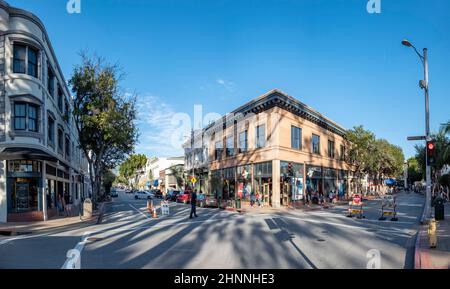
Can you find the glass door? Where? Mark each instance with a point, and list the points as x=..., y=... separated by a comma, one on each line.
x=22, y=190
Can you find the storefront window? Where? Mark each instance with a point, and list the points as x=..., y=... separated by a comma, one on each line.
x=313, y=183
x=291, y=182
x=229, y=178
x=343, y=178
x=216, y=183
x=24, y=167
x=262, y=174
x=24, y=195
x=244, y=184
x=50, y=191
x=330, y=181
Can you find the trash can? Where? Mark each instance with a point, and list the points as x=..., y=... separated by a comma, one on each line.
x=238, y=203
x=439, y=209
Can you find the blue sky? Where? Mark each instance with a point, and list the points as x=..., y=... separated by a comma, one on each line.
x=330, y=54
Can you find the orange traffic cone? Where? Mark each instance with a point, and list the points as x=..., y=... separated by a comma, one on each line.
x=154, y=213
x=149, y=207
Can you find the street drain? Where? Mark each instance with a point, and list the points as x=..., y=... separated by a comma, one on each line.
x=320, y=240
x=93, y=239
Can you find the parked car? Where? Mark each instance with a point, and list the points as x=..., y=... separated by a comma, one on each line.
x=172, y=195
x=114, y=194
x=142, y=195
x=158, y=194
x=211, y=201
x=184, y=198
x=151, y=192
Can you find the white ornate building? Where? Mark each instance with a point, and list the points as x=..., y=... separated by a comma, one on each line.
x=39, y=150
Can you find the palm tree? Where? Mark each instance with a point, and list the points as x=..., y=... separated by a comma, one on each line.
x=446, y=150
x=178, y=173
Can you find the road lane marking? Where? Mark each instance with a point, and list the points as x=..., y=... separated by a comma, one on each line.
x=139, y=211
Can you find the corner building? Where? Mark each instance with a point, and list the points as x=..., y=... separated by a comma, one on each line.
x=40, y=157
x=276, y=146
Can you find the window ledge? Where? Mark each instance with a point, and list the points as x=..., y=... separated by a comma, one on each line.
x=17, y=133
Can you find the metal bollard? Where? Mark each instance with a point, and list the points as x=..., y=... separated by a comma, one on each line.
x=432, y=234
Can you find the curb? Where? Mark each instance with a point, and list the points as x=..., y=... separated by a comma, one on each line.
x=417, y=260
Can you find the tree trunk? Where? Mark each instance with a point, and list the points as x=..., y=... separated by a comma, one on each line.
x=91, y=175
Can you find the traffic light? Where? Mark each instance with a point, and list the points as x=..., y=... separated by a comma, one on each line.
x=431, y=158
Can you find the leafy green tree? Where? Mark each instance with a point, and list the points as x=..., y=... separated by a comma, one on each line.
x=178, y=173
x=129, y=168
x=375, y=157
x=104, y=117
x=108, y=179
x=414, y=171
x=359, y=154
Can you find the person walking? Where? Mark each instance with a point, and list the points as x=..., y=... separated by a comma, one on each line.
x=252, y=199
x=59, y=205
x=193, y=204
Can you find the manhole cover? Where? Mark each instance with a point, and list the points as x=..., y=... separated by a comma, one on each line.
x=93, y=239
x=324, y=232
x=320, y=240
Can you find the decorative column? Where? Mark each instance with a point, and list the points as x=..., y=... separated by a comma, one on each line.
x=43, y=192
x=276, y=194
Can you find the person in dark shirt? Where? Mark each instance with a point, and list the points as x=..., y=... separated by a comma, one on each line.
x=193, y=204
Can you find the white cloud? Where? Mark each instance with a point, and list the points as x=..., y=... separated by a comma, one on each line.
x=154, y=120
x=228, y=85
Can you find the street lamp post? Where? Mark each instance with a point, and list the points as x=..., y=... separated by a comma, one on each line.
x=424, y=85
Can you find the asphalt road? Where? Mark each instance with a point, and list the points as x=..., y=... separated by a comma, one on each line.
x=129, y=237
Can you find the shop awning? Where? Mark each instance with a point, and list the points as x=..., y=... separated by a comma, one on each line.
x=18, y=153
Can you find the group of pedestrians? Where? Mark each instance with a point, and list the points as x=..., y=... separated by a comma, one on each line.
x=256, y=199
x=64, y=209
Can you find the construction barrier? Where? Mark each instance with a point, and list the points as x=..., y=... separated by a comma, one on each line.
x=388, y=208
x=355, y=207
x=165, y=208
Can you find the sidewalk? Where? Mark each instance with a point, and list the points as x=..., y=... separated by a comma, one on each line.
x=439, y=257
x=58, y=222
